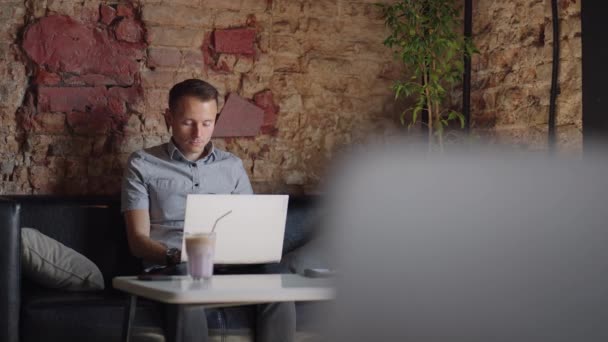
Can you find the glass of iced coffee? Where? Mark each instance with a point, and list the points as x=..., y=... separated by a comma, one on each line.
x=200, y=248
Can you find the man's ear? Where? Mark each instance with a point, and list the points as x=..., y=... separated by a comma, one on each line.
x=168, y=118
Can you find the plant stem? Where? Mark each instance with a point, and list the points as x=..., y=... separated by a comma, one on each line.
x=429, y=106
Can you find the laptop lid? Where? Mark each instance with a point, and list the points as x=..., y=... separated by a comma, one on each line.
x=251, y=234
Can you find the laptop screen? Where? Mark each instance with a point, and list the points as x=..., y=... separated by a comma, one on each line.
x=252, y=233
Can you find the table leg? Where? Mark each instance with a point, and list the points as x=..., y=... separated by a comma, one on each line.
x=127, y=323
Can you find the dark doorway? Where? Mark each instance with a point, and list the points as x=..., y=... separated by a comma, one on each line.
x=595, y=71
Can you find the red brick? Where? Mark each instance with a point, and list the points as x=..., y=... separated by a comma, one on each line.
x=125, y=11
x=235, y=41
x=129, y=30
x=89, y=123
x=265, y=100
x=63, y=45
x=126, y=94
x=239, y=118
x=47, y=78
x=107, y=14
x=89, y=79
x=82, y=99
x=161, y=57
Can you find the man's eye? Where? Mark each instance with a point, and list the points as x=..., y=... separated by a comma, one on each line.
x=207, y=123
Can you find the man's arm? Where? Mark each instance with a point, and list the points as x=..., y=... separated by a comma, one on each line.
x=242, y=186
x=138, y=235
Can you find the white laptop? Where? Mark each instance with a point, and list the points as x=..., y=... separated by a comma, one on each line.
x=251, y=234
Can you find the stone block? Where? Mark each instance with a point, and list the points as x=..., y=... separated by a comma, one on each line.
x=326, y=67
x=181, y=16
x=134, y=126
x=262, y=170
x=225, y=83
x=50, y=123
x=243, y=64
x=131, y=144
x=235, y=41
x=225, y=63
x=229, y=19
x=287, y=63
x=286, y=44
x=164, y=57
x=76, y=167
x=157, y=79
x=222, y=4
x=177, y=37
x=256, y=5
x=155, y=124
x=150, y=141
x=193, y=58
x=285, y=26
x=292, y=104
x=253, y=84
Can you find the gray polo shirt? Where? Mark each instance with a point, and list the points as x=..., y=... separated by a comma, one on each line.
x=159, y=178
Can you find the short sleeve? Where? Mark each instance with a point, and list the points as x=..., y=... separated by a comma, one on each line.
x=134, y=193
x=243, y=186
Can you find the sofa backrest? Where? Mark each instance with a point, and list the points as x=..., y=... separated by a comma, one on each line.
x=94, y=227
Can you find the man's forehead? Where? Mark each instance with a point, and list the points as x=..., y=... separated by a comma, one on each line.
x=190, y=102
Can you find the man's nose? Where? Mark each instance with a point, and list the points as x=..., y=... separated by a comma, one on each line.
x=198, y=130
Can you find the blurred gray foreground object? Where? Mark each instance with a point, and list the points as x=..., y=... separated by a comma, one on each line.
x=477, y=246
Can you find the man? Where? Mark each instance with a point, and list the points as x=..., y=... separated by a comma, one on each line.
x=157, y=181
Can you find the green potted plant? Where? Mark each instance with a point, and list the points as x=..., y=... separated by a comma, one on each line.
x=424, y=35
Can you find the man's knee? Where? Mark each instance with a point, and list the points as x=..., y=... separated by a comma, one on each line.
x=285, y=309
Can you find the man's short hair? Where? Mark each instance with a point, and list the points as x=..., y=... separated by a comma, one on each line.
x=192, y=87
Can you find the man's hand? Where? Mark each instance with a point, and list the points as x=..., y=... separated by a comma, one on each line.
x=138, y=236
x=173, y=256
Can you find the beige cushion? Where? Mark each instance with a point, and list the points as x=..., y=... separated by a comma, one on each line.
x=50, y=263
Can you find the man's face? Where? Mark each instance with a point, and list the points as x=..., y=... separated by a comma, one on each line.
x=192, y=125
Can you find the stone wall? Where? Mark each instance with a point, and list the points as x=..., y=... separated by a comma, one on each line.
x=73, y=105
x=511, y=77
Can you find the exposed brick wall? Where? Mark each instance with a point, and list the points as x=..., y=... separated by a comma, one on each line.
x=85, y=77
x=317, y=70
x=512, y=75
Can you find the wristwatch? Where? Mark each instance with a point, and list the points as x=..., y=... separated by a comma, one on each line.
x=173, y=256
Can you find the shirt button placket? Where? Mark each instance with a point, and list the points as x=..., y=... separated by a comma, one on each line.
x=195, y=176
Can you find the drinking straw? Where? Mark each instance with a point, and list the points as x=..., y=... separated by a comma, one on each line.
x=219, y=218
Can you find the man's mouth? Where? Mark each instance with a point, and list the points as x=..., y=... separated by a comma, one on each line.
x=196, y=142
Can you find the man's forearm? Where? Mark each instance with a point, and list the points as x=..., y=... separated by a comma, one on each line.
x=151, y=251
x=140, y=243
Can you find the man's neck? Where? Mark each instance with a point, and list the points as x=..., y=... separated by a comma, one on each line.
x=194, y=157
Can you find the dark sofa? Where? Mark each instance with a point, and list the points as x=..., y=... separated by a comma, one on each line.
x=94, y=227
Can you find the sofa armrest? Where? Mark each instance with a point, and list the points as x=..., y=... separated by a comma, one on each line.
x=313, y=254
x=10, y=278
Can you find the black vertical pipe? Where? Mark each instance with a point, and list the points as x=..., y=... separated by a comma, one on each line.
x=554, y=77
x=466, y=80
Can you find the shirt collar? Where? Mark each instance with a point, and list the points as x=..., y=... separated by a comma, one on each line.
x=176, y=154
